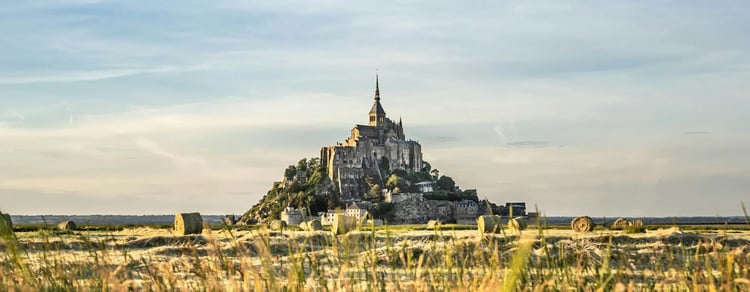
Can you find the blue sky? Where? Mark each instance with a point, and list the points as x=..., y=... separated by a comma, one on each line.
x=627, y=108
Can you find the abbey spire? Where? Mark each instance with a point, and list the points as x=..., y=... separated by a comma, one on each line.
x=377, y=114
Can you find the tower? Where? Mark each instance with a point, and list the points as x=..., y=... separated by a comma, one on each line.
x=377, y=114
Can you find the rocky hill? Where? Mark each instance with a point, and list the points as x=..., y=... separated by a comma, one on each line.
x=305, y=185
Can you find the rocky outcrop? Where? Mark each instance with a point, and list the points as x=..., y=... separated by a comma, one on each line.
x=411, y=211
x=417, y=210
x=441, y=210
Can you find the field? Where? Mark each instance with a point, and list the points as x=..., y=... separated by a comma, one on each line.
x=379, y=258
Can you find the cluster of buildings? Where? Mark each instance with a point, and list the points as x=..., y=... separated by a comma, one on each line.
x=414, y=210
x=382, y=144
x=359, y=210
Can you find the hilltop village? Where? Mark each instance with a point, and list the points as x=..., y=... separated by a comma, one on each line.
x=378, y=174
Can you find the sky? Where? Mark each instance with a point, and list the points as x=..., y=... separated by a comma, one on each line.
x=601, y=108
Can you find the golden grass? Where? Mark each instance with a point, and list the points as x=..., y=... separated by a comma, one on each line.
x=381, y=259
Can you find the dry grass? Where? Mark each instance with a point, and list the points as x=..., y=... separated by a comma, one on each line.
x=380, y=259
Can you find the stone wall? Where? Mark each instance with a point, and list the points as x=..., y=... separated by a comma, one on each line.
x=417, y=210
x=411, y=211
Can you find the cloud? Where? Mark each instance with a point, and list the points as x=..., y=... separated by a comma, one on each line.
x=88, y=75
x=528, y=143
x=696, y=132
x=15, y=115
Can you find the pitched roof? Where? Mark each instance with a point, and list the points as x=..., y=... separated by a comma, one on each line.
x=377, y=109
x=367, y=131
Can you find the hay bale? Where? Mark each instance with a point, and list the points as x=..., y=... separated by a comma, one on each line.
x=66, y=225
x=620, y=223
x=432, y=224
x=277, y=225
x=638, y=223
x=188, y=223
x=6, y=224
x=343, y=224
x=312, y=225
x=518, y=224
x=489, y=224
x=582, y=224
x=230, y=219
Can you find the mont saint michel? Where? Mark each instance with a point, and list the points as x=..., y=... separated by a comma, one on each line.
x=379, y=144
x=377, y=173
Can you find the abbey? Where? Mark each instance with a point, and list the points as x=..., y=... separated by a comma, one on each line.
x=379, y=144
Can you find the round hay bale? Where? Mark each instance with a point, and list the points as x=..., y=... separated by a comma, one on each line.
x=489, y=224
x=343, y=224
x=637, y=223
x=277, y=225
x=620, y=223
x=432, y=224
x=6, y=224
x=582, y=224
x=518, y=224
x=188, y=223
x=230, y=219
x=312, y=225
x=66, y=225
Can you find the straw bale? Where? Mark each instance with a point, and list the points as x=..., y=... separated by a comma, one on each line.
x=621, y=223
x=518, y=224
x=66, y=225
x=277, y=225
x=188, y=223
x=582, y=224
x=6, y=224
x=312, y=225
x=489, y=224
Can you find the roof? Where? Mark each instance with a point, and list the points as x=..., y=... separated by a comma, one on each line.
x=367, y=131
x=377, y=109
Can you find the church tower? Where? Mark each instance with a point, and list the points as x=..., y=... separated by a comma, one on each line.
x=377, y=114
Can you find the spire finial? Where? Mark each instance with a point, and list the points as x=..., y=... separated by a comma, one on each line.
x=377, y=87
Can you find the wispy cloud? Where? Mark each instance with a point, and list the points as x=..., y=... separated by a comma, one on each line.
x=528, y=143
x=88, y=75
x=696, y=132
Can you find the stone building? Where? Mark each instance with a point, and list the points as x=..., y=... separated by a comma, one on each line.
x=467, y=212
x=426, y=186
x=380, y=142
x=326, y=218
x=358, y=210
x=292, y=216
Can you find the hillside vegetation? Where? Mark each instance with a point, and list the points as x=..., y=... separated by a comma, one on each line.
x=305, y=185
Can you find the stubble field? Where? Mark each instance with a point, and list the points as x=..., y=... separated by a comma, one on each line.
x=380, y=258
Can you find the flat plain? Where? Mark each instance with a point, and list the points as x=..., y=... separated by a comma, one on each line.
x=378, y=258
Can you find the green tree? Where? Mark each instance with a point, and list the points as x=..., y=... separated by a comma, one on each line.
x=384, y=164
x=302, y=164
x=375, y=194
x=435, y=174
x=446, y=183
x=290, y=172
x=426, y=167
x=393, y=181
x=383, y=211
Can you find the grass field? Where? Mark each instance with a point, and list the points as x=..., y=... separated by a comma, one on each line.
x=406, y=257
